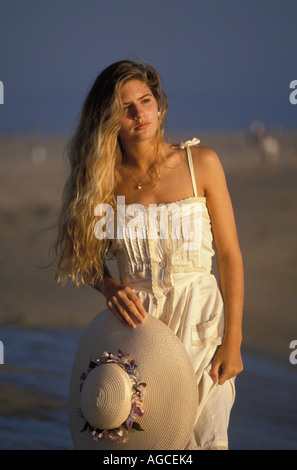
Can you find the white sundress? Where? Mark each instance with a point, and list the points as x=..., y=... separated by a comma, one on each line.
x=170, y=271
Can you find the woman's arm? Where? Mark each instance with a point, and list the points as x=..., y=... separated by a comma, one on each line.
x=121, y=300
x=227, y=362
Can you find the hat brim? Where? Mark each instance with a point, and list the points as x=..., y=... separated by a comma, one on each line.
x=171, y=397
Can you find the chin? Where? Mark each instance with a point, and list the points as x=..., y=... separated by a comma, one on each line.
x=146, y=134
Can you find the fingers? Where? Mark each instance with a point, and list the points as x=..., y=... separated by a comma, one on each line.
x=126, y=306
x=227, y=363
x=223, y=376
x=220, y=372
x=215, y=371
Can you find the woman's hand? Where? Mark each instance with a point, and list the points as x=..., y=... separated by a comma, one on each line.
x=125, y=305
x=227, y=362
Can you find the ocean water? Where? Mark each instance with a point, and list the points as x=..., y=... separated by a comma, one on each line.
x=264, y=415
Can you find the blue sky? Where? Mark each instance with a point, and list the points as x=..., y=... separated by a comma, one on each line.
x=223, y=63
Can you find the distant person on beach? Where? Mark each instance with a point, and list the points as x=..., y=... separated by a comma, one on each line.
x=119, y=157
x=268, y=146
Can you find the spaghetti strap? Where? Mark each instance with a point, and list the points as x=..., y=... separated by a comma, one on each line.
x=190, y=162
x=187, y=145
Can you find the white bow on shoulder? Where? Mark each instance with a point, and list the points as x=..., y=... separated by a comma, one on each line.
x=189, y=143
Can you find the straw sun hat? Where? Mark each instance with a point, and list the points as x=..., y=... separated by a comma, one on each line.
x=131, y=389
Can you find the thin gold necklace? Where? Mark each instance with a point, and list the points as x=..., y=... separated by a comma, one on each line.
x=140, y=184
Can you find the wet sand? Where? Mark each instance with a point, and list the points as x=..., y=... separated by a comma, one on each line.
x=264, y=199
x=35, y=384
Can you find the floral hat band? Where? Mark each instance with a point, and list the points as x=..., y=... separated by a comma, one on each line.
x=112, y=397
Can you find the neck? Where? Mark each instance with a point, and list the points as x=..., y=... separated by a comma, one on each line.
x=140, y=155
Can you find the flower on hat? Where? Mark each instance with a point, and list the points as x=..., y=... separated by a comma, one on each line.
x=137, y=408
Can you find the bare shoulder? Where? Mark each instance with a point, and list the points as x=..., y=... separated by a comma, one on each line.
x=207, y=166
x=205, y=157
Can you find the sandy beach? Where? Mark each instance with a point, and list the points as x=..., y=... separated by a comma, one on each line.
x=31, y=181
x=264, y=195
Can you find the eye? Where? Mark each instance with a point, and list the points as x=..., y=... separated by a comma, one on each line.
x=126, y=107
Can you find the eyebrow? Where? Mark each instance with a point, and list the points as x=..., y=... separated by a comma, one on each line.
x=139, y=99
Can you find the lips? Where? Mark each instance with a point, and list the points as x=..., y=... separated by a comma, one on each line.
x=141, y=126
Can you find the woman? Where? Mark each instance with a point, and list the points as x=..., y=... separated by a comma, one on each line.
x=119, y=158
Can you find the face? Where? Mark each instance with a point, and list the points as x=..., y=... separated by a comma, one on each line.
x=140, y=119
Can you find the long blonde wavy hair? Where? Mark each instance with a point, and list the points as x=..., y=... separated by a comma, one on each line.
x=95, y=157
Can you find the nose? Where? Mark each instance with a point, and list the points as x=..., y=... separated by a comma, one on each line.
x=137, y=112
